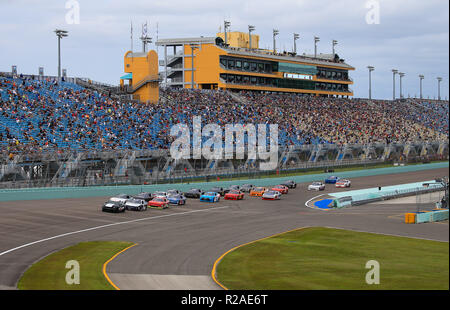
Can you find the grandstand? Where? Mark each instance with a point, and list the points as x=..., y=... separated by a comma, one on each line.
x=55, y=132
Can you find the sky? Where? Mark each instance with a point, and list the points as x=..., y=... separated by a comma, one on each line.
x=409, y=35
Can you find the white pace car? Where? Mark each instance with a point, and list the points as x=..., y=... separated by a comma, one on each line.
x=316, y=186
x=343, y=183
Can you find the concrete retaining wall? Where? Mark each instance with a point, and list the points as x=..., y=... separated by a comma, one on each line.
x=103, y=191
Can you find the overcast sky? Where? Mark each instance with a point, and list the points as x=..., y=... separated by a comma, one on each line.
x=411, y=36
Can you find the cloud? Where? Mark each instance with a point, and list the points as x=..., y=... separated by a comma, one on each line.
x=412, y=35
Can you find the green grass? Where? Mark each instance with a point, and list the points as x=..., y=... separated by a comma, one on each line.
x=50, y=272
x=332, y=259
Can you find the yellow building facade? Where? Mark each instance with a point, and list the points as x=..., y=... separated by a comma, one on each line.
x=207, y=63
x=142, y=76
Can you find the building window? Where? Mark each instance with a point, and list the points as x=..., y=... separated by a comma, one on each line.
x=246, y=66
x=260, y=67
x=223, y=62
x=238, y=64
x=230, y=64
x=252, y=66
x=253, y=80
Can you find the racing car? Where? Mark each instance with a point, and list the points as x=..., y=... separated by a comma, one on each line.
x=332, y=180
x=290, y=184
x=316, y=186
x=122, y=198
x=271, y=195
x=159, y=203
x=113, y=206
x=176, y=199
x=343, y=183
x=233, y=188
x=219, y=190
x=173, y=191
x=246, y=188
x=136, y=204
x=257, y=191
x=193, y=193
x=159, y=194
x=210, y=197
x=280, y=188
x=144, y=196
x=234, y=195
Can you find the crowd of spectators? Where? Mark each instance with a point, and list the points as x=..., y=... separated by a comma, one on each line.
x=38, y=115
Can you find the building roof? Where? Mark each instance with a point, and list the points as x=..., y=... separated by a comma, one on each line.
x=181, y=41
x=322, y=59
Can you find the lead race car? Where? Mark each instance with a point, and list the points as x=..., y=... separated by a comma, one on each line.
x=113, y=206
x=210, y=197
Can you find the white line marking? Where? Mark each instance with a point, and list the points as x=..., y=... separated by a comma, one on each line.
x=306, y=203
x=107, y=225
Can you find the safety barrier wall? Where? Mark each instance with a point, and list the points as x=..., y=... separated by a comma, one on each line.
x=413, y=189
x=103, y=191
x=433, y=216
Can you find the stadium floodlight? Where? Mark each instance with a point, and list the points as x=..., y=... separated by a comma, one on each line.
x=226, y=26
x=421, y=77
x=275, y=33
x=60, y=34
x=250, y=29
x=296, y=37
x=371, y=68
x=439, y=79
x=316, y=39
x=334, y=43
x=193, y=47
x=401, y=74
x=394, y=72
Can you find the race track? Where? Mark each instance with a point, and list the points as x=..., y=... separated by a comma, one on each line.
x=177, y=247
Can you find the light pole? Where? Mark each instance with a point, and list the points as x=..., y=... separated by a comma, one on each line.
x=371, y=68
x=394, y=72
x=60, y=34
x=316, y=39
x=439, y=79
x=421, y=77
x=193, y=47
x=401, y=74
x=275, y=33
x=250, y=29
x=226, y=25
x=296, y=37
x=334, y=43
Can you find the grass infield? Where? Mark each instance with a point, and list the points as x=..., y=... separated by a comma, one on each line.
x=50, y=272
x=332, y=259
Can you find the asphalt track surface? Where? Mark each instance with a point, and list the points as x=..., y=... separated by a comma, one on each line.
x=177, y=247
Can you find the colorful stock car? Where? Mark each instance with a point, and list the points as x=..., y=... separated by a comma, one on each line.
x=210, y=197
x=234, y=195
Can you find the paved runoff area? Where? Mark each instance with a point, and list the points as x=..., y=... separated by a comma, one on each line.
x=177, y=247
